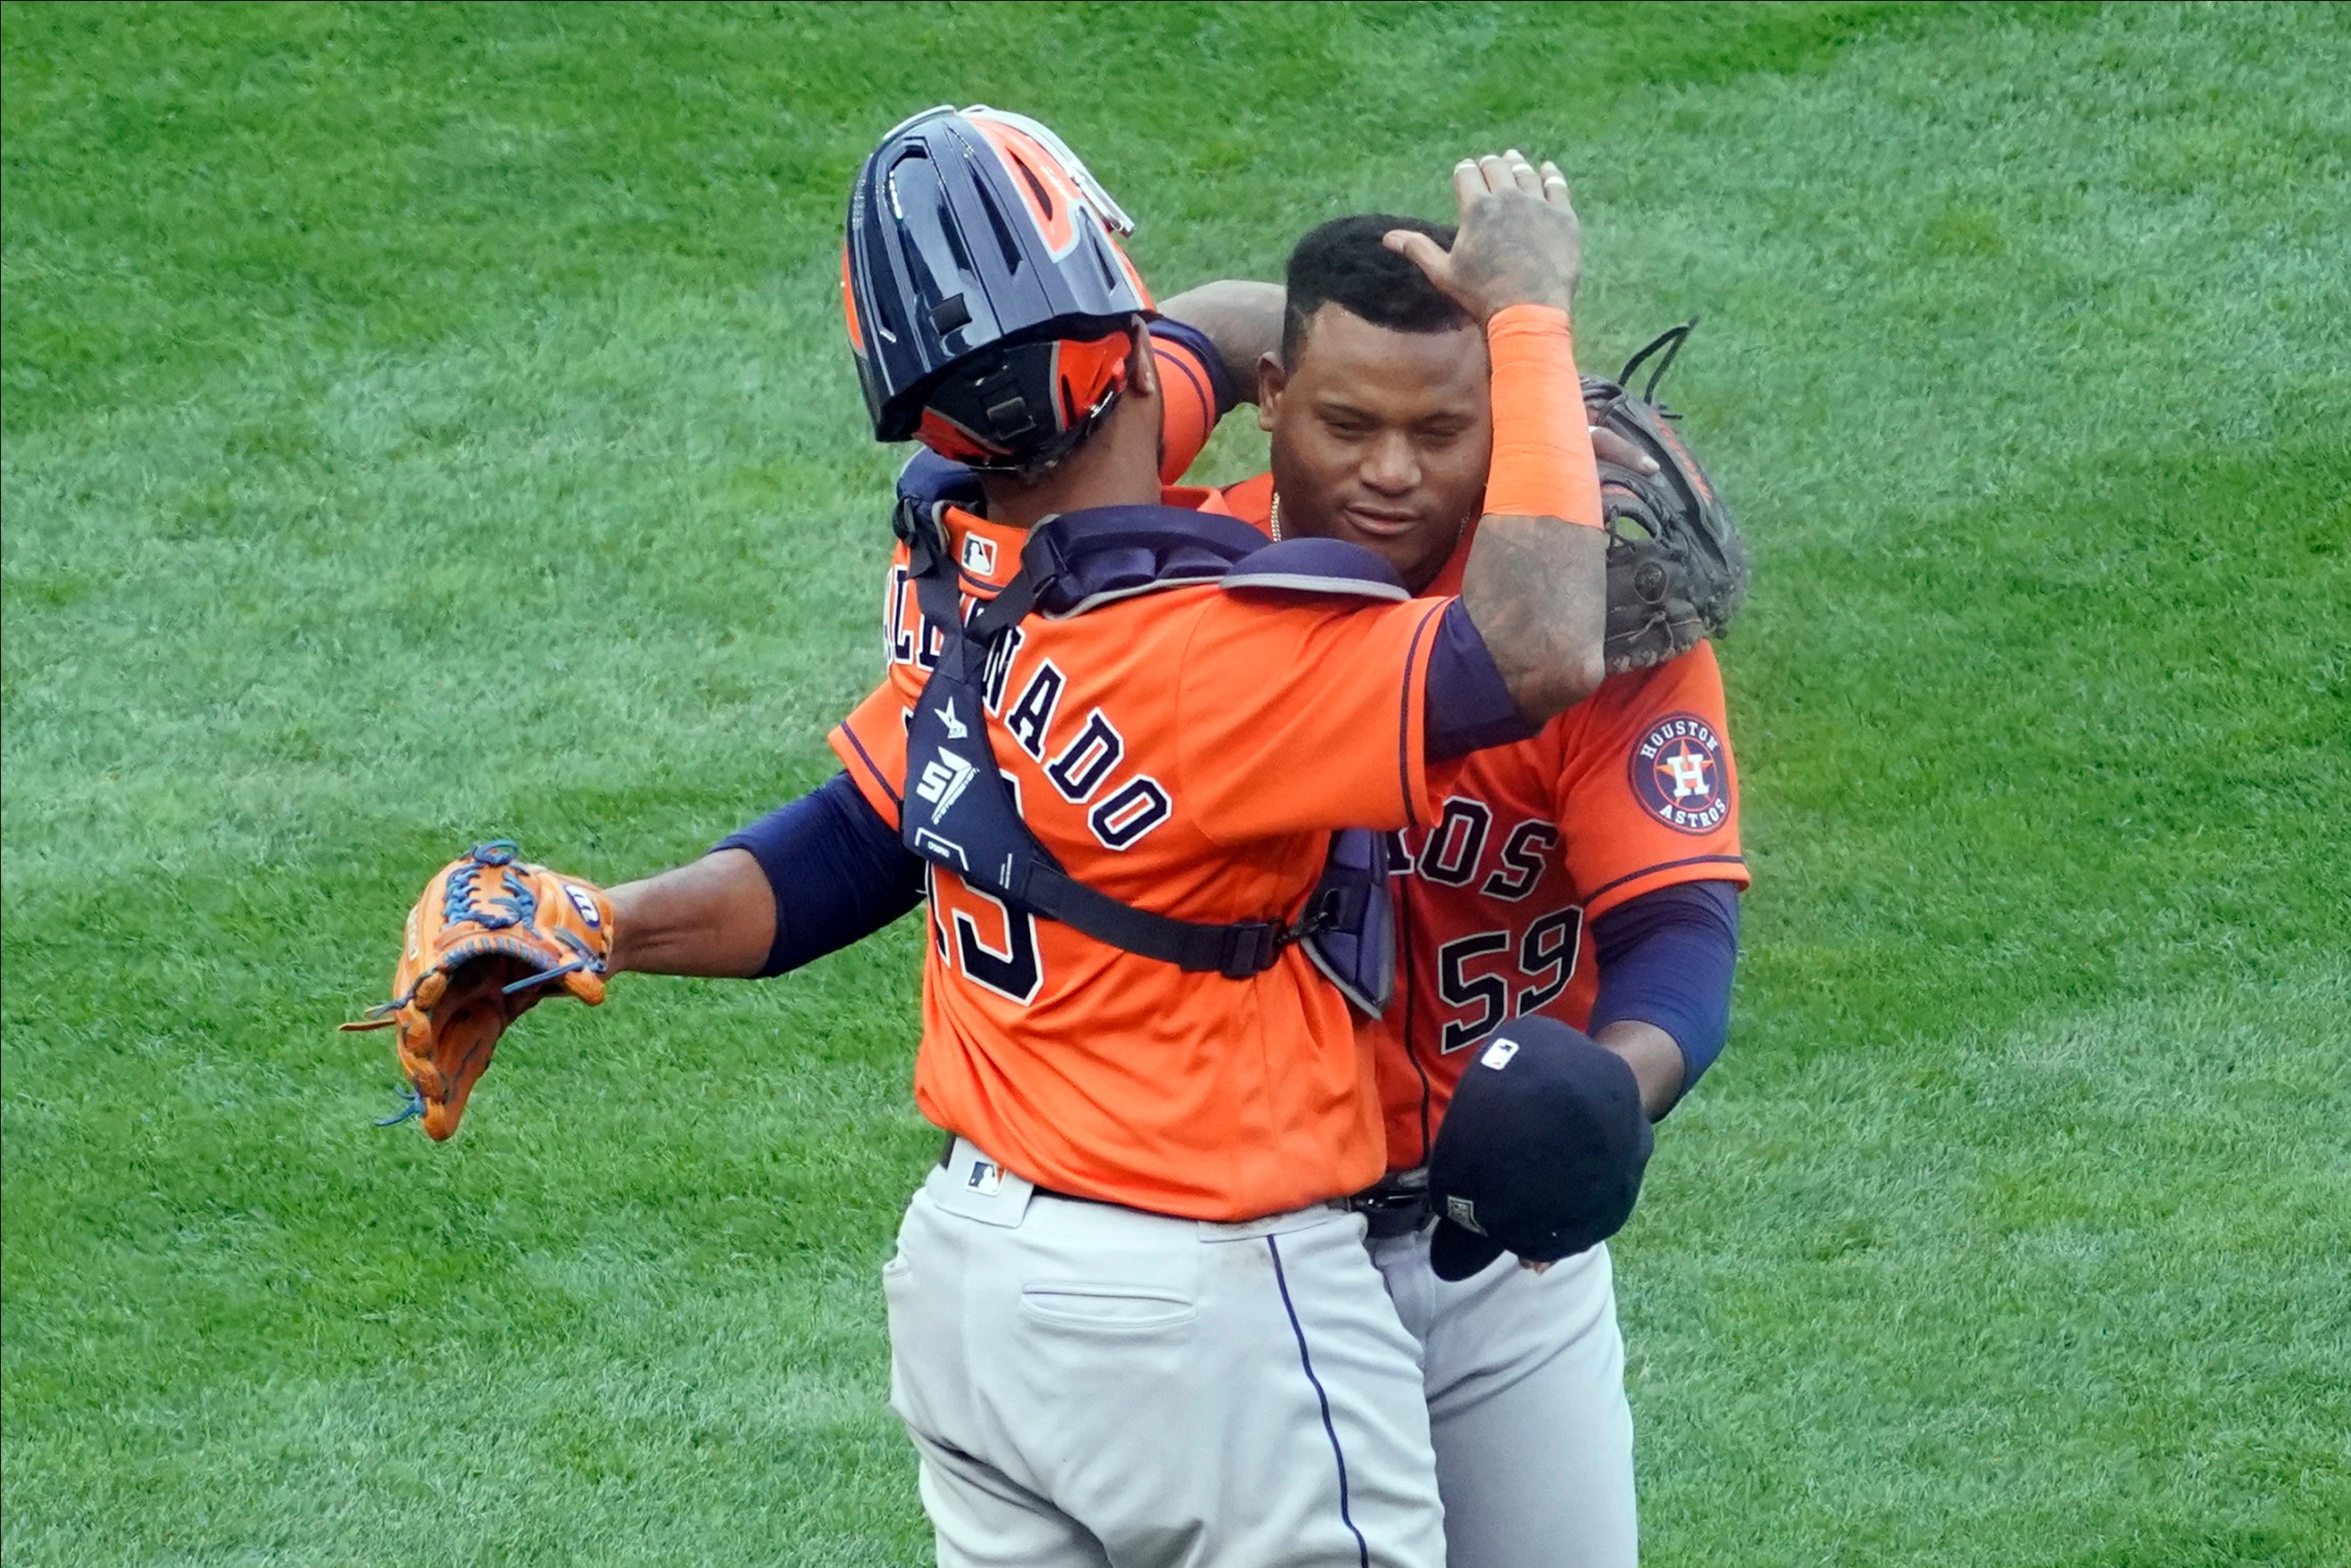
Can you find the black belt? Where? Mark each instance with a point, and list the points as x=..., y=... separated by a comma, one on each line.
x=1397, y=1206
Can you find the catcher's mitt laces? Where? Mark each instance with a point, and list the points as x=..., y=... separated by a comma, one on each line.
x=462, y=901
x=410, y=1109
x=1671, y=341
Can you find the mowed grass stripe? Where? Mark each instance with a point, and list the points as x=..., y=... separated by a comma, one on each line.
x=421, y=424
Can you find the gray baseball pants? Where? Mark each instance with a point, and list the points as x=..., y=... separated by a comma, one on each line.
x=1525, y=1387
x=1089, y=1385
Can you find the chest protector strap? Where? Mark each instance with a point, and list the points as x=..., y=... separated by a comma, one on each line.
x=961, y=811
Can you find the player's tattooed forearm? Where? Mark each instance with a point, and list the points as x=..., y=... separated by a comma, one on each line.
x=1535, y=590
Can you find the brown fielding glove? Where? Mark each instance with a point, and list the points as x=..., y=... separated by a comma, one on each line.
x=1677, y=570
x=491, y=935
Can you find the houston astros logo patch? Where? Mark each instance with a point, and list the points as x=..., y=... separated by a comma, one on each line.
x=1677, y=774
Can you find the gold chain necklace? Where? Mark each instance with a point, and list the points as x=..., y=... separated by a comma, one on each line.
x=1277, y=519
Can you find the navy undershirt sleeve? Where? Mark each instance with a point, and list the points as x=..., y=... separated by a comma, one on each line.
x=1470, y=705
x=1222, y=394
x=1666, y=958
x=847, y=873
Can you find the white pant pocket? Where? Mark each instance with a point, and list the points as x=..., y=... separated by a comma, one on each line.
x=1107, y=1308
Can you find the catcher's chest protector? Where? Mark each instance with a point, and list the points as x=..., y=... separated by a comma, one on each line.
x=960, y=810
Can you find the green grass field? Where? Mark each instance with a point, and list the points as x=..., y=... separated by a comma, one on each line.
x=427, y=424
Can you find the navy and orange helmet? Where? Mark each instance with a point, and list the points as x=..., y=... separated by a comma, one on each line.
x=988, y=294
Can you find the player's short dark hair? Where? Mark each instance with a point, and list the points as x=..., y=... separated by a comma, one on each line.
x=1342, y=263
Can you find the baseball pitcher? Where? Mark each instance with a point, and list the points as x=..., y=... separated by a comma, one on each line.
x=1585, y=874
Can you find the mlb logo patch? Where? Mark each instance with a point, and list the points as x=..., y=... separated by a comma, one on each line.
x=979, y=556
x=987, y=1178
x=1498, y=1055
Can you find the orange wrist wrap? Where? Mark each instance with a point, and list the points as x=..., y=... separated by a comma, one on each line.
x=1542, y=444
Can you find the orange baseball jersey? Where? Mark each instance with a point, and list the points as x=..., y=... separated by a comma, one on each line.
x=1631, y=790
x=1187, y=751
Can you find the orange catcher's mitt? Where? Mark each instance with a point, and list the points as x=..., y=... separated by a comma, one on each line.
x=491, y=935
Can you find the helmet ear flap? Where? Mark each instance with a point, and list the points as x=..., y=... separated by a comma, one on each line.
x=1024, y=407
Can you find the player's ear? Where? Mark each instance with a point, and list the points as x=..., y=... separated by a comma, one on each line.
x=1142, y=363
x=1271, y=378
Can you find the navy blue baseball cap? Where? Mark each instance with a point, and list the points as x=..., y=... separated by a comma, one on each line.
x=1542, y=1151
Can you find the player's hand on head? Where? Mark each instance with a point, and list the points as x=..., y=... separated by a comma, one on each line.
x=1520, y=243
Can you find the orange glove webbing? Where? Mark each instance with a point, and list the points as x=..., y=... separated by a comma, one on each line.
x=1542, y=463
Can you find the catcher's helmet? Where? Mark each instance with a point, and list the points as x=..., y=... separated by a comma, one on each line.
x=987, y=295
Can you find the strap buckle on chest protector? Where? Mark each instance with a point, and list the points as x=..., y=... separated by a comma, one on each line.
x=1251, y=947
x=1336, y=905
